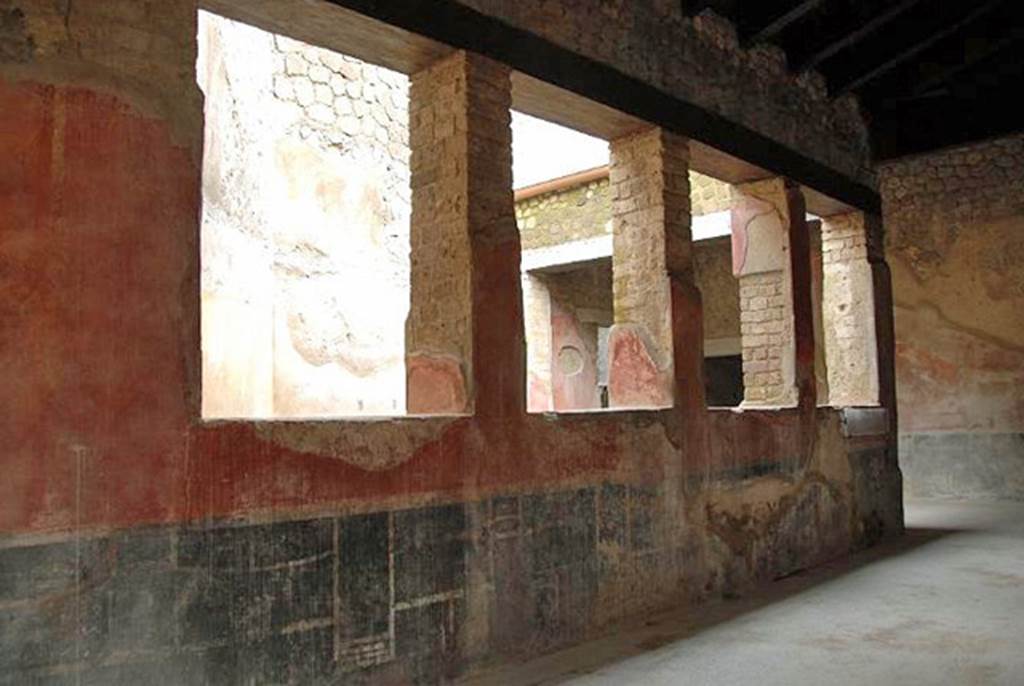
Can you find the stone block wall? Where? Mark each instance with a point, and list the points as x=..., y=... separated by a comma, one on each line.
x=651, y=245
x=712, y=267
x=701, y=60
x=764, y=315
x=466, y=314
x=139, y=541
x=575, y=213
x=954, y=223
x=762, y=237
x=305, y=209
x=584, y=211
x=843, y=241
x=438, y=331
x=708, y=195
x=849, y=311
x=349, y=100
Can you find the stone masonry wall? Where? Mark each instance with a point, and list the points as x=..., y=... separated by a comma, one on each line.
x=651, y=245
x=571, y=214
x=700, y=60
x=720, y=293
x=848, y=312
x=439, y=328
x=761, y=242
x=954, y=224
x=708, y=195
x=306, y=210
x=843, y=242
x=461, y=328
x=348, y=101
x=584, y=211
x=764, y=309
x=140, y=542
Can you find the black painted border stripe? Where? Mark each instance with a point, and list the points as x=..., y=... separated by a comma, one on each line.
x=454, y=24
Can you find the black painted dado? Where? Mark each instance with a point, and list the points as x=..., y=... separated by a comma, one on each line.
x=383, y=595
x=974, y=466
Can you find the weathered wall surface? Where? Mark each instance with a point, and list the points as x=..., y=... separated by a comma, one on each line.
x=848, y=314
x=955, y=227
x=712, y=272
x=571, y=214
x=701, y=61
x=584, y=296
x=557, y=223
x=138, y=541
x=305, y=235
x=584, y=211
x=708, y=195
x=587, y=288
x=574, y=369
x=762, y=215
x=581, y=301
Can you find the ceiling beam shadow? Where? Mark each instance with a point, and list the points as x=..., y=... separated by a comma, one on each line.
x=858, y=79
x=781, y=22
x=849, y=38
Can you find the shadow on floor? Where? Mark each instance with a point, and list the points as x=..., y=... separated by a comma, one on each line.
x=630, y=639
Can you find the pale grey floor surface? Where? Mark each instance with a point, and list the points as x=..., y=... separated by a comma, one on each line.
x=943, y=605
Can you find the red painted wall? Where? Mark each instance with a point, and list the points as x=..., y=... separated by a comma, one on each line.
x=572, y=391
x=99, y=216
x=100, y=350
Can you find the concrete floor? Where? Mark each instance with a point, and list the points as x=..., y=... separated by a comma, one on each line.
x=943, y=605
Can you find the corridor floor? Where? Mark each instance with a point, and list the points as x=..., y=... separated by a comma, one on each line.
x=943, y=605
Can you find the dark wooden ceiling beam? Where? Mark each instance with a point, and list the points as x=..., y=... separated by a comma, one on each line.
x=725, y=8
x=955, y=65
x=782, y=21
x=851, y=37
x=456, y=25
x=927, y=73
x=860, y=78
x=1003, y=72
x=969, y=62
x=937, y=123
x=964, y=52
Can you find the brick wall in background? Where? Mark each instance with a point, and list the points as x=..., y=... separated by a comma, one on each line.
x=584, y=211
x=708, y=195
x=570, y=214
x=764, y=310
x=954, y=224
x=306, y=210
x=720, y=292
x=701, y=61
x=138, y=540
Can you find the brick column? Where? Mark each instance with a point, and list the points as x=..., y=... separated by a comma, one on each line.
x=849, y=310
x=885, y=334
x=651, y=261
x=771, y=259
x=817, y=298
x=464, y=335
